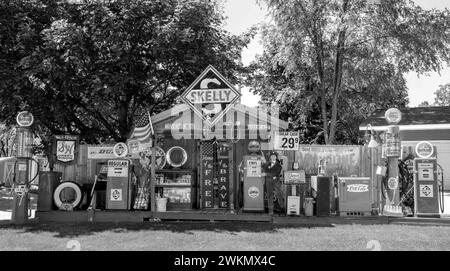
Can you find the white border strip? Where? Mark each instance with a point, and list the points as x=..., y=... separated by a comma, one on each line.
x=412, y=127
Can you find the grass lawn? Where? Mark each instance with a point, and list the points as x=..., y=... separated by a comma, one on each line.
x=221, y=237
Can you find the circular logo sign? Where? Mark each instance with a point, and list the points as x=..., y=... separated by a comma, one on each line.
x=393, y=116
x=424, y=149
x=253, y=192
x=25, y=119
x=120, y=150
x=393, y=183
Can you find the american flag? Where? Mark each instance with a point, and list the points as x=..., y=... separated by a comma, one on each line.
x=143, y=129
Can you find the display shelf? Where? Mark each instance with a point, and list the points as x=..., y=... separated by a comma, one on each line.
x=179, y=187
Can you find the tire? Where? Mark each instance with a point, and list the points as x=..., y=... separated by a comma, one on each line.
x=59, y=189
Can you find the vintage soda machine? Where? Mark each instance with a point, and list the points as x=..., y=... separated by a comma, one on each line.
x=355, y=196
x=426, y=183
x=253, y=178
x=119, y=180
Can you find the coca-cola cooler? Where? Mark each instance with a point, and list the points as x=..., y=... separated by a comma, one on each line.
x=355, y=196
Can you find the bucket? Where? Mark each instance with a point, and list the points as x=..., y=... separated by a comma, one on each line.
x=161, y=204
x=309, y=206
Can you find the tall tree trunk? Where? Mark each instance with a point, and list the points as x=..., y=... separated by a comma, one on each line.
x=337, y=80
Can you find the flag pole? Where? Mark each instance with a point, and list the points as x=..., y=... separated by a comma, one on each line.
x=152, y=167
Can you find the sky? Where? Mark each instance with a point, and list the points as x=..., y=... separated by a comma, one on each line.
x=242, y=14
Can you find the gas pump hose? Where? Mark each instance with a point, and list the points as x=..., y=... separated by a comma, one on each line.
x=441, y=190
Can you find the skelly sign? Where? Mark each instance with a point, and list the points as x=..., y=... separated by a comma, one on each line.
x=211, y=96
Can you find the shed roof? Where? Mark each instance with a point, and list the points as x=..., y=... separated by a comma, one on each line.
x=413, y=118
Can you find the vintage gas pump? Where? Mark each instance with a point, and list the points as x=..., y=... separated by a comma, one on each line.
x=22, y=168
x=426, y=192
x=119, y=180
x=393, y=152
x=253, y=178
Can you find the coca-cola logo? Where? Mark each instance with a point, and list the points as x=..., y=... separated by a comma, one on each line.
x=253, y=192
x=358, y=188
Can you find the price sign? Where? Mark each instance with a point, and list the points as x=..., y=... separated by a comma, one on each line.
x=287, y=141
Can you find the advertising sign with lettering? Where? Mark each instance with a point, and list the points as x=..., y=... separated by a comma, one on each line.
x=211, y=95
x=66, y=148
x=118, y=168
x=339, y=160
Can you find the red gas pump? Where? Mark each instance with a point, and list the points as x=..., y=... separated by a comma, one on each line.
x=427, y=189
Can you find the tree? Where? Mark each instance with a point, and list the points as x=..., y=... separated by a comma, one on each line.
x=334, y=51
x=442, y=95
x=424, y=104
x=93, y=68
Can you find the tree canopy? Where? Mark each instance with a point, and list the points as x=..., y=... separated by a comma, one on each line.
x=92, y=67
x=442, y=95
x=332, y=63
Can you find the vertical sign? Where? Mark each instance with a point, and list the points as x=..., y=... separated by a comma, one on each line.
x=224, y=178
x=207, y=174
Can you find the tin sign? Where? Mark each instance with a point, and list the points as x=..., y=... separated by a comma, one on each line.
x=65, y=151
x=211, y=96
x=25, y=119
x=116, y=195
x=287, y=141
x=424, y=149
x=120, y=150
x=393, y=116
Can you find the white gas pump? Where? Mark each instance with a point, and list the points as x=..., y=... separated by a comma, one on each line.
x=119, y=180
x=426, y=184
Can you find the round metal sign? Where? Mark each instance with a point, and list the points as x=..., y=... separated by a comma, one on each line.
x=424, y=149
x=25, y=119
x=120, y=150
x=180, y=160
x=393, y=183
x=393, y=116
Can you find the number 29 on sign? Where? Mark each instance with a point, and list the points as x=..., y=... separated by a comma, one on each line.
x=287, y=140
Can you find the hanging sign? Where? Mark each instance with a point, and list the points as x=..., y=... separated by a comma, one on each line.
x=211, y=95
x=287, y=141
x=25, y=119
x=66, y=148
